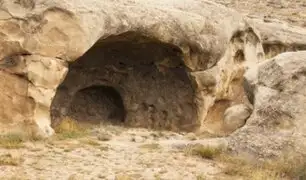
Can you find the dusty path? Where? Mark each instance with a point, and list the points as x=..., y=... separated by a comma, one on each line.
x=110, y=153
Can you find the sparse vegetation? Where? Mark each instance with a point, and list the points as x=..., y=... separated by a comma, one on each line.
x=157, y=177
x=11, y=141
x=123, y=177
x=267, y=170
x=90, y=142
x=104, y=148
x=68, y=129
x=151, y=146
x=10, y=160
x=236, y=166
x=288, y=166
x=201, y=177
x=202, y=151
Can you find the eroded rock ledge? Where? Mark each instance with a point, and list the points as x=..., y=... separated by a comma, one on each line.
x=278, y=36
x=175, y=66
x=277, y=124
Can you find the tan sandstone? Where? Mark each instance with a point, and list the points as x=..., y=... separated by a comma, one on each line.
x=215, y=44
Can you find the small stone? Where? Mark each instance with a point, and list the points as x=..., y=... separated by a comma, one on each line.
x=191, y=136
x=138, y=139
x=104, y=137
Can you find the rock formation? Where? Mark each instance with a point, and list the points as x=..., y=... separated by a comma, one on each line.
x=278, y=37
x=277, y=124
x=177, y=65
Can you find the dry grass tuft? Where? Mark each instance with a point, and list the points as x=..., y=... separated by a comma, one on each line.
x=151, y=146
x=286, y=167
x=236, y=166
x=201, y=177
x=123, y=177
x=11, y=141
x=103, y=148
x=202, y=151
x=290, y=165
x=90, y=142
x=10, y=160
x=292, y=168
x=68, y=129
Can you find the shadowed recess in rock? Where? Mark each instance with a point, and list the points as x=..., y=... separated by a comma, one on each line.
x=97, y=103
x=149, y=76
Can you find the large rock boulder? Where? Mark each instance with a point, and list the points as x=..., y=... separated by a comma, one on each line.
x=277, y=124
x=214, y=44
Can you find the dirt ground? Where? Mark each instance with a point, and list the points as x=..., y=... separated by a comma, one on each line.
x=110, y=152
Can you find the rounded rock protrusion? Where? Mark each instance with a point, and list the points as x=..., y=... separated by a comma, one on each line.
x=235, y=117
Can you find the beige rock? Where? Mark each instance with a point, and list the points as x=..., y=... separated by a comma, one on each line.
x=277, y=124
x=235, y=117
x=279, y=36
x=200, y=50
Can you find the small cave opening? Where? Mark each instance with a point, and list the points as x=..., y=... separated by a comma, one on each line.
x=131, y=79
x=97, y=103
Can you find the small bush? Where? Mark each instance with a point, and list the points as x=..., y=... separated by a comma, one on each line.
x=202, y=151
x=68, y=129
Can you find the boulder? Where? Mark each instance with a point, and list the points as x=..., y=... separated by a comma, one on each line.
x=235, y=117
x=277, y=124
x=199, y=51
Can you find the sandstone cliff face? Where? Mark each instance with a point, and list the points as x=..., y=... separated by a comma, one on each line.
x=277, y=124
x=196, y=53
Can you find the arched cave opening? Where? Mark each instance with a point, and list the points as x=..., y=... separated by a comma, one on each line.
x=128, y=78
x=97, y=103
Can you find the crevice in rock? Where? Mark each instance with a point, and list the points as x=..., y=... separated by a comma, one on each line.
x=148, y=75
x=273, y=49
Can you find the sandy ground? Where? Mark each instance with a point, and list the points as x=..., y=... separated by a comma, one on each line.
x=111, y=152
x=290, y=11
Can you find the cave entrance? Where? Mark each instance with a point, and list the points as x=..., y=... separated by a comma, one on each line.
x=97, y=103
x=145, y=78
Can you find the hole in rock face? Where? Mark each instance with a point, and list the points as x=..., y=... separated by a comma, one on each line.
x=97, y=103
x=132, y=79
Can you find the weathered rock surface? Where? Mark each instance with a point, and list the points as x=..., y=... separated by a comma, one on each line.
x=281, y=24
x=213, y=45
x=277, y=124
x=235, y=116
x=292, y=12
x=278, y=37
